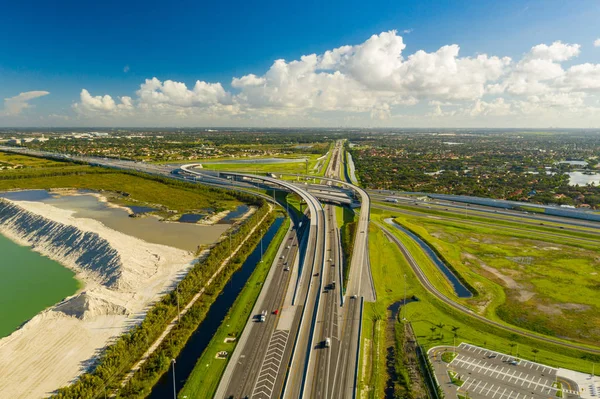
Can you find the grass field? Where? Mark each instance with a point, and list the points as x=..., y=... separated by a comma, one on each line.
x=205, y=377
x=435, y=322
x=147, y=191
x=14, y=160
x=257, y=167
x=547, y=286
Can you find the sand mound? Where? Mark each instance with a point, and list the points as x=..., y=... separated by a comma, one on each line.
x=122, y=276
x=86, y=307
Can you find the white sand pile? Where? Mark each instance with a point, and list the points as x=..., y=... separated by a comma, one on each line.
x=54, y=347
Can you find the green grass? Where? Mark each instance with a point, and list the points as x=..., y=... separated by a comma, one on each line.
x=291, y=167
x=144, y=190
x=484, y=218
x=448, y=356
x=454, y=379
x=29, y=162
x=388, y=267
x=531, y=209
x=495, y=260
x=204, y=379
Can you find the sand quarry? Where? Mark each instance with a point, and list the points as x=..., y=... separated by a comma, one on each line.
x=58, y=344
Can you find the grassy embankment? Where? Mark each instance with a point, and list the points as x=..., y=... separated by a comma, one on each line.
x=205, y=377
x=526, y=279
x=346, y=220
x=433, y=321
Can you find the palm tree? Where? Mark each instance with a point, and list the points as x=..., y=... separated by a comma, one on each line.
x=512, y=345
x=432, y=328
x=535, y=352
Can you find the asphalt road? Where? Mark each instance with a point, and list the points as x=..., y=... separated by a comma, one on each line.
x=457, y=217
x=500, y=213
x=240, y=380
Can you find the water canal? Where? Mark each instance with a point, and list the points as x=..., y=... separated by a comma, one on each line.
x=186, y=361
x=459, y=288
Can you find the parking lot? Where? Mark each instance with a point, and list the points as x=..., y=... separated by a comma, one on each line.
x=487, y=374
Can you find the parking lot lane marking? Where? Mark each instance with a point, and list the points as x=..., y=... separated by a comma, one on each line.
x=518, y=393
x=477, y=385
x=496, y=391
x=482, y=388
x=538, y=367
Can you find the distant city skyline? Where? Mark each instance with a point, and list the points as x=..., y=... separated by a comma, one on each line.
x=482, y=64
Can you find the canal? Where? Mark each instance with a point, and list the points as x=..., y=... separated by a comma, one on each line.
x=186, y=361
x=459, y=288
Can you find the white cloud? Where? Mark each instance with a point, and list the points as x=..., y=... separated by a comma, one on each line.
x=101, y=104
x=372, y=81
x=126, y=68
x=557, y=51
x=597, y=43
x=15, y=105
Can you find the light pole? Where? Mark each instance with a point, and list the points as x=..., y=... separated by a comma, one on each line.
x=178, y=311
x=174, y=388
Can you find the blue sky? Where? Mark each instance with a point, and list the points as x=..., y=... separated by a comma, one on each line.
x=111, y=48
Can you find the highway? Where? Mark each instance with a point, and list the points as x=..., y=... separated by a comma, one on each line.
x=277, y=357
x=500, y=213
x=434, y=291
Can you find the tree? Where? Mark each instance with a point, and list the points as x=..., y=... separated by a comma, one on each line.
x=432, y=328
x=535, y=352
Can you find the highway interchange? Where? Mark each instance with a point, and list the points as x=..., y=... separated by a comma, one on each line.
x=285, y=356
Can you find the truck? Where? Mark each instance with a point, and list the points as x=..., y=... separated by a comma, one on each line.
x=263, y=316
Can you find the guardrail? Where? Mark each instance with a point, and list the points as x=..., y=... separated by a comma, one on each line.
x=340, y=273
x=355, y=390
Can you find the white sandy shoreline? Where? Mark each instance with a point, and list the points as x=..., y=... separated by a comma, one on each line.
x=51, y=349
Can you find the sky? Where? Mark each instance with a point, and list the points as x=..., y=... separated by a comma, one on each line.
x=533, y=64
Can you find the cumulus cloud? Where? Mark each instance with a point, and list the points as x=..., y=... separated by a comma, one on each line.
x=557, y=51
x=102, y=104
x=376, y=80
x=597, y=43
x=15, y=105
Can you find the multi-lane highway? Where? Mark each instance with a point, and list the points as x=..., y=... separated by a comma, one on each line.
x=286, y=355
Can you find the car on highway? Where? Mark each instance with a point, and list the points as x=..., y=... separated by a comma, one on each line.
x=286, y=269
x=263, y=316
x=316, y=274
x=276, y=312
x=327, y=342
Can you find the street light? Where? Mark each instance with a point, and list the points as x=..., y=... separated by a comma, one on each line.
x=174, y=388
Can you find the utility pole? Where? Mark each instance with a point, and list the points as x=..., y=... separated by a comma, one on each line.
x=174, y=388
x=178, y=311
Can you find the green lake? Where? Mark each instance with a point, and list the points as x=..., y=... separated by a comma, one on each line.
x=29, y=283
